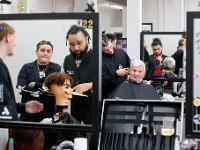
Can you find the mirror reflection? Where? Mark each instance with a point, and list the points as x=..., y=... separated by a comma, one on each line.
x=194, y=110
x=157, y=46
x=164, y=54
x=43, y=47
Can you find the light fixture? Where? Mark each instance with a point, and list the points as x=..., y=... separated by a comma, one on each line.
x=116, y=6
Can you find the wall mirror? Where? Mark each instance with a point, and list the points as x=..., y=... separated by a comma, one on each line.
x=169, y=42
x=193, y=76
x=32, y=28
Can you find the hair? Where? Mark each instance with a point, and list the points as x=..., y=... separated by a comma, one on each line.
x=169, y=63
x=111, y=36
x=43, y=42
x=5, y=29
x=156, y=41
x=27, y=139
x=136, y=63
x=57, y=78
x=75, y=29
x=181, y=42
x=105, y=40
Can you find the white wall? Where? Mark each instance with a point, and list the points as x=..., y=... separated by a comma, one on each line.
x=44, y=6
x=111, y=19
x=168, y=15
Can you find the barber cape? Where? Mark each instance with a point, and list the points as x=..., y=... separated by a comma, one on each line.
x=61, y=117
x=166, y=74
x=132, y=90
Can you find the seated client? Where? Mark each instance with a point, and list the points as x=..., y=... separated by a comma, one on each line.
x=135, y=87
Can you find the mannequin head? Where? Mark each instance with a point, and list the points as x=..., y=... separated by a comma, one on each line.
x=60, y=85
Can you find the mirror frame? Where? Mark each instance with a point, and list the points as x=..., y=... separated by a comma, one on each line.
x=189, y=133
x=142, y=34
x=150, y=25
x=97, y=73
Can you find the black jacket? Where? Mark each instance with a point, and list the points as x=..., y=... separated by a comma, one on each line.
x=29, y=73
x=8, y=92
x=178, y=57
x=111, y=63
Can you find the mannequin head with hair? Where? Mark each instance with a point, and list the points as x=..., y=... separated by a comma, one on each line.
x=60, y=85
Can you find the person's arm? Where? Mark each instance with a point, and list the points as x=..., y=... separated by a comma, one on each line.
x=30, y=107
x=84, y=87
x=107, y=77
x=22, y=78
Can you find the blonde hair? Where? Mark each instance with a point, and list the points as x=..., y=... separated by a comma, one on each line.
x=5, y=29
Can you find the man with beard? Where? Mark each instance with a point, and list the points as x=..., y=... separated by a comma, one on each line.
x=156, y=59
x=78, y=64
x=115, y=64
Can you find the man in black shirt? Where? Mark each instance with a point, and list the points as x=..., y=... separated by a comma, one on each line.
x=79, y=65
x=7, y=43
x=115, y=65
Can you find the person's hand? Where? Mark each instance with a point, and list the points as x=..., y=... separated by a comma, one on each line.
x=84, y=87
x=165, y=83
x=33, y=107
x=31, y=84
x=122, y=72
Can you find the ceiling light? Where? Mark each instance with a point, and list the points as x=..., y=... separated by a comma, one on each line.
x=116, y=6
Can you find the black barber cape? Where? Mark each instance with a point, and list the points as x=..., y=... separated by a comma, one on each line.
x=54, y=138
x=132, y=90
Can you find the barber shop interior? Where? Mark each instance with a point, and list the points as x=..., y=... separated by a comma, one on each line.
x=99, y=75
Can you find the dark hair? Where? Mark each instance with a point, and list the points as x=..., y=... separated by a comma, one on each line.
x=111, y=36
x=181, y=42
x=156, y=41
x=27, y=139
x=43, y=42
x=75, y=29
x=105, y=40
x=57, y=78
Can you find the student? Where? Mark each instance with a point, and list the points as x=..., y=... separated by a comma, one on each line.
x=7, y=43
x=32, y=75
x=115, y=64
x=79, y=65
x=156, y=59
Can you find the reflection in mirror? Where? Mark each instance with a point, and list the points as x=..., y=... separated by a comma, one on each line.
x=158, y=45
x=33, y=28
x=193, y=76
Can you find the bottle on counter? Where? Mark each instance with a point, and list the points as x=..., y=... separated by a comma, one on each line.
x=11, y=144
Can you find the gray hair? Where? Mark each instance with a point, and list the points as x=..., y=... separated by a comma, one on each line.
x=169, y=63
x=136, y=63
